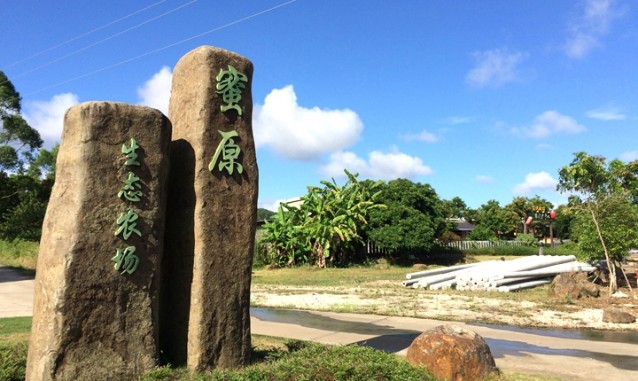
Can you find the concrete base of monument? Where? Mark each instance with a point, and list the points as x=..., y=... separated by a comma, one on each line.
x=515, y=350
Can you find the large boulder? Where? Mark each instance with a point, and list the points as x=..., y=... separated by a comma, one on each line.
x=573, y=285
x=616, y=315
x=453, y=353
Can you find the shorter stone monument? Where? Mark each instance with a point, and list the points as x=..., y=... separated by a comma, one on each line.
x=96, y=302
x=452, y=353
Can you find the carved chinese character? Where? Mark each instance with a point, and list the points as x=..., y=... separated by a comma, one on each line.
x=125, y=260
x=226, y=154
x=126, y=224
x=130, y=152
x=230, y=84
x=131, y=189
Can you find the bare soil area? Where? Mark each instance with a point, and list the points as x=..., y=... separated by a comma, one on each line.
x=532, y=308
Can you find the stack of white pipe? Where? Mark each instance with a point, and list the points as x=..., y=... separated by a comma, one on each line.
x=503, y=276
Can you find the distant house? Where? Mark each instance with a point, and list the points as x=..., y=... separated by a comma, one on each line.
x=462, y=228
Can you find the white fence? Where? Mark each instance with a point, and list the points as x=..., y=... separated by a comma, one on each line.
x=466, y=245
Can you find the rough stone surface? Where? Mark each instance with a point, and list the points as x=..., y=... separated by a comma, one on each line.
x=211, y=220
x=91, y=322
x=616, y=315
x=452, y=353
x=573, y=285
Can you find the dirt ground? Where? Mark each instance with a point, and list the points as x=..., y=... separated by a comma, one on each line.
x=534, y=309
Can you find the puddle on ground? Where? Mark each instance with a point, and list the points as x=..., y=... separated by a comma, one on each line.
x=390, y=339
x=628, y=337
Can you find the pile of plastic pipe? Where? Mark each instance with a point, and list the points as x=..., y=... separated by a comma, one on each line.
x=502, y=276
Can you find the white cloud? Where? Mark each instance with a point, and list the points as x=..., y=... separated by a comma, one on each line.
x=156, y=92
x=423, y=136
x=48, y=116
x=629, y=156
x=454, y=120
x=384, y=166
x=296, y=132
x=535, y=181
x=592, y=24
x=550, y=123
x=483, y=179
x=607, y=113
x=495, y=68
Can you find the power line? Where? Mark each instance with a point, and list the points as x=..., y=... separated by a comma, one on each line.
x=84, y=34
x=104, y=40
x=164, y=47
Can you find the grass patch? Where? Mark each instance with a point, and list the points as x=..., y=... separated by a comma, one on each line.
x=310, y=361
x=15, y=330
x=19, y=254
x=14, y=337
x=518, y=251
x=330, y=277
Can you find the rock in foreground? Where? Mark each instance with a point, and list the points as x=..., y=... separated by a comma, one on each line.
x=453, y=353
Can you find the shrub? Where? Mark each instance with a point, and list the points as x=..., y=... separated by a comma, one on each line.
x=13, y=361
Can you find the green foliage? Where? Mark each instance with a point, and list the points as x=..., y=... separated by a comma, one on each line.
x=506, y=251
x=26, y=174
x=14, y=334
x=17, y=138
x=315, y=362
x=523, y=207
x=412, y=220
x=13, y=361
x=618, y=220
x=604, y=191
x=264, y=214
x=494, y=222
x=327, y=224
x=454, y=208
x=19, y=253
x=563, y=224
x=23, y=202
x=527, y=239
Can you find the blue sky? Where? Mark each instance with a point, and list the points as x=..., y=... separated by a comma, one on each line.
x=481, y=99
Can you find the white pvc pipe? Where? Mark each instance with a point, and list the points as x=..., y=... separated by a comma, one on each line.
x=520, y=286
x=443, y=270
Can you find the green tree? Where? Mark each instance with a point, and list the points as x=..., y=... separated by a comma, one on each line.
x=18, y=140
x=600, y=187
x=327, y=225
x=454, y=208
x=285, y=242
x=494, y=222
x=264, y=214
x=618, y=222
x=563, y=224
x=412, y=220
x=26, y=173
x=524, y=207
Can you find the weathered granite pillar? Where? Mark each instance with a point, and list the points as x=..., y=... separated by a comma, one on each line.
x=97, y=283
x=212, y=211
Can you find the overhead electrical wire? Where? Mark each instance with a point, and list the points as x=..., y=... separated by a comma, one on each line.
x=104, y=39
x=154, y=51
x=83, y=35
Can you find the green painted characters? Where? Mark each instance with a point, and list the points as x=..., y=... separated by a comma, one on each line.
x=230, y=84
x=125, y=259
x=227, y=154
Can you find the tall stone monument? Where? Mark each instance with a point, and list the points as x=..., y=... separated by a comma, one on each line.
x=210, y=231
x=97, y=284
